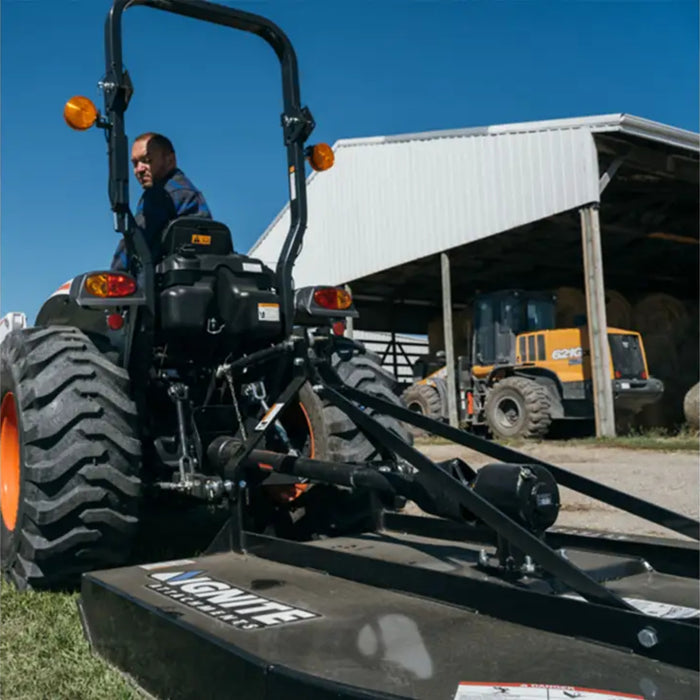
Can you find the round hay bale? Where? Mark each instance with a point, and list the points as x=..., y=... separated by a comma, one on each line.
x=663, y=363
x=570, y=303
x=461, y=331
x=436, y=335
x=618, y=310
x=660, y=314
x=662, y=356
x=691, y=407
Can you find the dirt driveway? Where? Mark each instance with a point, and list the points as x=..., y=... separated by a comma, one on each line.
x=669, y=479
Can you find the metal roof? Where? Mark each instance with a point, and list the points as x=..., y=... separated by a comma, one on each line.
x=392, y=199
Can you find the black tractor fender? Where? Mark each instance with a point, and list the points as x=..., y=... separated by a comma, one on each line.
x=72, y=306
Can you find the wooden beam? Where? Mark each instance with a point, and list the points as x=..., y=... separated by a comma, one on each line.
x=597, y=322
x=449, y=340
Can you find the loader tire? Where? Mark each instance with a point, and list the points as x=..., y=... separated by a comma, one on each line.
x=423, y=399
x=71, y=459
x=517, y=407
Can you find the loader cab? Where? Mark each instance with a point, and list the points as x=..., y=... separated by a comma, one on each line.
x=500, y=316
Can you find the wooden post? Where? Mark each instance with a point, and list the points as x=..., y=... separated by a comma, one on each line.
x=597, y=322
x=449, y=340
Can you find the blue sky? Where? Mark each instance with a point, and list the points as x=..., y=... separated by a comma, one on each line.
x=367, y=68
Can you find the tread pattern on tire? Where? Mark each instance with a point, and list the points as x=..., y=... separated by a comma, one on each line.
x=346, y=442
x=81, y=457
x=428, y=399
x=538, y=415
x=425, y=396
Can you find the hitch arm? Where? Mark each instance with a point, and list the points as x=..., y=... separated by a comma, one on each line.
x=444, y=487
x=606, y=494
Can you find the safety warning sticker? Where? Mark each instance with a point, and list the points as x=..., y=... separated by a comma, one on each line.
x=269, y=416
x=535, y=691
x=268, y=312
x=655, y=609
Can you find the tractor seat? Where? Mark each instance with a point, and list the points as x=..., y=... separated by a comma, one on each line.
x=196, y=235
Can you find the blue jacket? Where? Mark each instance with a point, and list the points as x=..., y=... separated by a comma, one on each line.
x=169, y=199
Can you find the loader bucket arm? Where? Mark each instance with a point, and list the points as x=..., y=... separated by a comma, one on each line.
x=297, y=124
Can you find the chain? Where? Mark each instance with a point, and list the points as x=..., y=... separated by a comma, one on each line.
x=229, y=379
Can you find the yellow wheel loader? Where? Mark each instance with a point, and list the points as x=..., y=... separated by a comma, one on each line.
x=522, y=373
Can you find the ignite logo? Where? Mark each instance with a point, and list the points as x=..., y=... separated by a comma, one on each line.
x=218, y=599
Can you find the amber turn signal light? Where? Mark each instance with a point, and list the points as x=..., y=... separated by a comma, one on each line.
x=80, y=113
x=110, y=284
x=333, y=298
x=320, y=156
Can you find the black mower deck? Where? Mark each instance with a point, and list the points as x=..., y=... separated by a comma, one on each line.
x=251, y=626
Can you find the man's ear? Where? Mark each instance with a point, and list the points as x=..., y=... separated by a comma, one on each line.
x=172, y=161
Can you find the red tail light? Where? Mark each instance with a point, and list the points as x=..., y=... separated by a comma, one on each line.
x=644, y=375
x=110, y=284
x=333, y=298
x=115, y=322
x=339, y=328
x=618, y=374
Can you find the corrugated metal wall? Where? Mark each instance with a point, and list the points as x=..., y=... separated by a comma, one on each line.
x=388, y=201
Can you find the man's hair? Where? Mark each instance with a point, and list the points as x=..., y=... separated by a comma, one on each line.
x=162, y=143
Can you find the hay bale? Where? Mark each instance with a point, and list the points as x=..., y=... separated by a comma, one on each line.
x=570, y=303
x=662, y=356
x=436, y=335
x=691, y=407
x=661, y=314
x=461, y=330
x=663, y=363
x=618, y=310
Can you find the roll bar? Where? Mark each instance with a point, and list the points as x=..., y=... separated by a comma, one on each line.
x=297, y=125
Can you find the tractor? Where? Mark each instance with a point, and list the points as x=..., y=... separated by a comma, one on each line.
x=201, y=376
x=122, y=390
x=523, y=374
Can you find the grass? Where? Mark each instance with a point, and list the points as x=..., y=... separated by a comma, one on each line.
x=44, y=656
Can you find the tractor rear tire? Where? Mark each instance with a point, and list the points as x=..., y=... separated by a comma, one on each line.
x=71, y=459
x=517, y=407
x=344, y=441
x=329, y=510
x=423, y=399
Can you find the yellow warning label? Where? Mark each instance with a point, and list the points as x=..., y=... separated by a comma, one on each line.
x=201, y=239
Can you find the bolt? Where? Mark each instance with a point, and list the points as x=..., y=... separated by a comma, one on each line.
x=528, y=565
x=483, y=557
x=647, y=637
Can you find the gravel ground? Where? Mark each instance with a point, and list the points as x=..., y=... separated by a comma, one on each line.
x=669, y=479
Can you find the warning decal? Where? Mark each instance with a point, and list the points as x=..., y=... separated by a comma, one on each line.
x=535, y=691
x=268, y=312
x=201, y=239
x=654, y=608
x=269, y=416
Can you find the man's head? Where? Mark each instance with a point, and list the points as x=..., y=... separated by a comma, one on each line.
x=152, y=158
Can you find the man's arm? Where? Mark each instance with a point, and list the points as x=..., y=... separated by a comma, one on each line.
x=120, y=262
x=189, y=203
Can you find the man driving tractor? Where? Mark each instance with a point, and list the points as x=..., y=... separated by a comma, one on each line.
x=167, y=193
